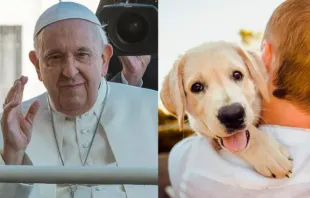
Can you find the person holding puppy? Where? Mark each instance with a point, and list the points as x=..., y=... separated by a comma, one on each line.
x=285, y=53
x=82, y=119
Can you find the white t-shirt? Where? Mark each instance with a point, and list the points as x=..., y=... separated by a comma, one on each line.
x=197, y=171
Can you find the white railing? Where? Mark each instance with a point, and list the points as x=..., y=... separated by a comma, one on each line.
x=78, y=175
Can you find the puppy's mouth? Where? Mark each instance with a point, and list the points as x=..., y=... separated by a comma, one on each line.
x=236, y=142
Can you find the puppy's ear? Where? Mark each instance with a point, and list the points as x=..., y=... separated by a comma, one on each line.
x=172, y=93
x=257, y=70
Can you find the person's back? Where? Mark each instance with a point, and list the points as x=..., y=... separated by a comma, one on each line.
x=196, y=170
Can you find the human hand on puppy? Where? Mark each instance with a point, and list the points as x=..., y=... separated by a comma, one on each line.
x=16, y=128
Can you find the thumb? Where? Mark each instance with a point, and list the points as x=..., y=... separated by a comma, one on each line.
x=32, y=111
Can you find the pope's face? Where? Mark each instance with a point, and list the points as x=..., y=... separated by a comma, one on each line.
x=71, y=61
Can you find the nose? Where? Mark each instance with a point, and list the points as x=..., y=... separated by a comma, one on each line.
x=70, y=70
x=232, y=116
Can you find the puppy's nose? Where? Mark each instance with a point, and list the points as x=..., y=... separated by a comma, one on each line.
x=232, y=116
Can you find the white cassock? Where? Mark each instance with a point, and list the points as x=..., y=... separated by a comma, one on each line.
x=126, y=137
x=197, y=171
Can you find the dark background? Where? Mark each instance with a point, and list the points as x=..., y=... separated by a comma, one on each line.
x=150, y=78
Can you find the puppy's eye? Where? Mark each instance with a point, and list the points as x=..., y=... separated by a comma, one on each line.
x=237, y=75
x=197, y=87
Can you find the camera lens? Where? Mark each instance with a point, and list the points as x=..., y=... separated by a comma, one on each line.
x=132, y=28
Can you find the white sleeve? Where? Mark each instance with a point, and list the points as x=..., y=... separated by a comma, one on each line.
x=18, y=190
x=124, y=81
x=177, y=163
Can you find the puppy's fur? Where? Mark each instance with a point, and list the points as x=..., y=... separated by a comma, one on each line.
x=212, y=66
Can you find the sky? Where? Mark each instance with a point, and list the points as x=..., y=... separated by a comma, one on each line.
x=186, y=23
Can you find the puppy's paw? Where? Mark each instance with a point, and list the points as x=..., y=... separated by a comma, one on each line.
x=268, y=157
x=277, y=164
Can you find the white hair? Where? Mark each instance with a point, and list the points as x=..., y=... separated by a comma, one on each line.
x=102, y=33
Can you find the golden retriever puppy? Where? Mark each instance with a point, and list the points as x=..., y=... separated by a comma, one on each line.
x=219, y=86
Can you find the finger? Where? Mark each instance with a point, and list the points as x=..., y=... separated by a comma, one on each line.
x=15, y=101
x=11, y=93
x=26, y=122
x=8, y=111
x=24, y=80
x=32, y=112
x=12, y=99
x=20, y=92
x=145, y=60
x=146, y=57
x=18, y=79
x=10, y=106
x=18, y=88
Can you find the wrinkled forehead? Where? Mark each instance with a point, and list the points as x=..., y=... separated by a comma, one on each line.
x=70, y=32
x=211, y=62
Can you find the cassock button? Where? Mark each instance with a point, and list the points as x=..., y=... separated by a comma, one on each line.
x=98, y=188
x=84, y=131
x=89, y=163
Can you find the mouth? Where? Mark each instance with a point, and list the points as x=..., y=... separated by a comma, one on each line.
x=236, y=142
x=72, y=86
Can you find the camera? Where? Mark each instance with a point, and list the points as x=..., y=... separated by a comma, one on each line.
x=132, y=28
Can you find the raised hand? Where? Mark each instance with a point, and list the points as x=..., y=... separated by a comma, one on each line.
x=16, y=128
x=134, y=67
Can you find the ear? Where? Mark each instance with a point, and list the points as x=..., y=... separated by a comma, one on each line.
x=172, y=93
x=35, y=61
x=267, y=53
x=107, y=53
x=257, y=71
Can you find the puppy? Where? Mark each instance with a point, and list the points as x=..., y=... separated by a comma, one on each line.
x=219, y=86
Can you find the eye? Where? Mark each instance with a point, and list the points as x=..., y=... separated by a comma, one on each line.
x=237, y=75
x=82, y=54
x=197, y=87
x=54, y=57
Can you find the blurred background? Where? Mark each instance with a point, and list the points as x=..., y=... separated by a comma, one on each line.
x=184, y=24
